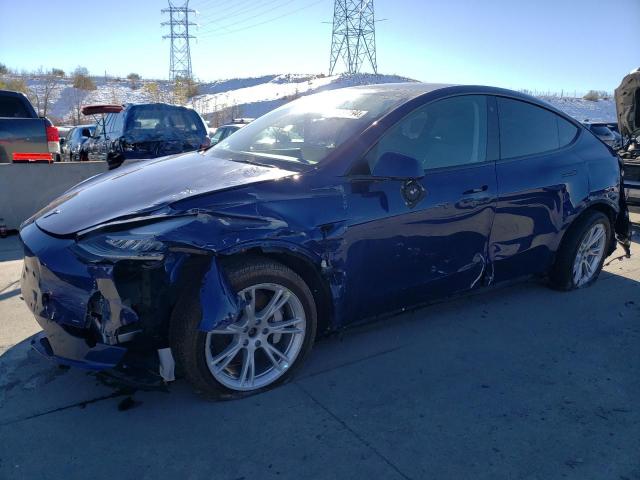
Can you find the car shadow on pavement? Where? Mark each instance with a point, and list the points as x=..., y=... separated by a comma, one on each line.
x=10, y=248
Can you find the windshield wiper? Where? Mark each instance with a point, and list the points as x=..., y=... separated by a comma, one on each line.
x=252, y=162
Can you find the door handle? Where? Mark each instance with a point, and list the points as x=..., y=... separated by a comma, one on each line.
x=481, y=189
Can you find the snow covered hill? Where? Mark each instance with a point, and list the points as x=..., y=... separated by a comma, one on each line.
x=251, y=97
x=581, y=110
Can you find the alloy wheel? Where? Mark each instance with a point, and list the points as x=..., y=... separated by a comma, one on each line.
x=262, y=344
x=589, y=255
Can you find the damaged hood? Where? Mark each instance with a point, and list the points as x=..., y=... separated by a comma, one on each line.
x=144, y=187
x=628, y=105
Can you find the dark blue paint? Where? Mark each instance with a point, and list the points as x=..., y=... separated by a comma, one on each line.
x=218, y=301
x=373, y=250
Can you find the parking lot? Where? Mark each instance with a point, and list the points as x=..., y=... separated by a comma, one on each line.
x=516, y=382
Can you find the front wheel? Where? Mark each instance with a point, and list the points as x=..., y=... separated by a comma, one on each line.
x=264, y=347
x=583, y=251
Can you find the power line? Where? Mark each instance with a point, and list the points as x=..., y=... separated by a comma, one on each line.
x=180, y=56
x=281, y=3
x=230, y=10
x=292, y=12
x=353, y=37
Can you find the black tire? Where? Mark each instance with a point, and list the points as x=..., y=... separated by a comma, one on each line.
x=561, y=275
x=188, y=343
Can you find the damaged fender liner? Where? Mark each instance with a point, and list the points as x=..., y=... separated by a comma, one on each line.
x=220, y=306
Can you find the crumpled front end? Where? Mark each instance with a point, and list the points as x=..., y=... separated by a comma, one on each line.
x=93, y=310
x=76, y=304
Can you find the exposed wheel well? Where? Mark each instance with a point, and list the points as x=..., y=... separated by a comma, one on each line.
x=309, y=273
x=597, y=207
x=606, y=209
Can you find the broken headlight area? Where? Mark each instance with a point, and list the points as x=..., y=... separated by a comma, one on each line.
x=139, y=243
x=121, y=247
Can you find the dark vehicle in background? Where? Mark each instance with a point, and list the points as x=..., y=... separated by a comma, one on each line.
x=225, y=130
x=73, y=142
x=628, y=109
x=605, y=132
x=143, y=131
x=332, y=209
x=25, y=137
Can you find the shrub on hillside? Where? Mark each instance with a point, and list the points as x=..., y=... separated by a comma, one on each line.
x=14, y=84
x=83, y=82
x=184, y=89
x=133, y=78
x=592, y=96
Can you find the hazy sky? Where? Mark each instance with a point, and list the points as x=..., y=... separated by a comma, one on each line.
x=535, y=44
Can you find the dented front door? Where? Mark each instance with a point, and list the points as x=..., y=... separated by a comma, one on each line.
x=410, y=241
x=399, y=255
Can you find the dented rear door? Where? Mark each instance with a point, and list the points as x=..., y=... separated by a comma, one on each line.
x=542, y=182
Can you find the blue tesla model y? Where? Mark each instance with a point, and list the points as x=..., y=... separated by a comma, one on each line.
x=333, y=209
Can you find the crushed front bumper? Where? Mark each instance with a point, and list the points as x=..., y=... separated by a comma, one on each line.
x=75, y=303
x=57, y=345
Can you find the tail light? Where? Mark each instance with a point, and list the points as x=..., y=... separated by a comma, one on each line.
x=52, y=134
x=53, y=140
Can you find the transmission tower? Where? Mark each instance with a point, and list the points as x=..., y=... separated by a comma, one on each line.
x=354, y=35
x=180, y=60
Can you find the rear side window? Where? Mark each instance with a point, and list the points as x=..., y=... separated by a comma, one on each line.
x=13, y=107
x=527, y=129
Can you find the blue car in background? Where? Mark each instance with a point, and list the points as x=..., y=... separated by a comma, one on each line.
x=73, y=141
x=333, y=209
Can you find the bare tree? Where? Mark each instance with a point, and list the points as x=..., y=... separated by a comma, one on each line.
x=115, y=95
x=82, y=85
x=78, y=96
x=46, y=85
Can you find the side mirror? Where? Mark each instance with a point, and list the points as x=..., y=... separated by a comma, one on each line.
x=86, y=132
x=398, y=166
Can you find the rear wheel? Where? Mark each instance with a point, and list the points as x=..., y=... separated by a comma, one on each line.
x=264, y=347
x=583, y=251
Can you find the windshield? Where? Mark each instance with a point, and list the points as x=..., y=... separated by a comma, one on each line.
x=307, y=130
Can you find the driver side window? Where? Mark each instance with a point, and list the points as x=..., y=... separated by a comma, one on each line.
x=446, y=133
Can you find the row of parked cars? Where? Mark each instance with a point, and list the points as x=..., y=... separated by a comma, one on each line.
x=117, y=133
x=140, y=131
